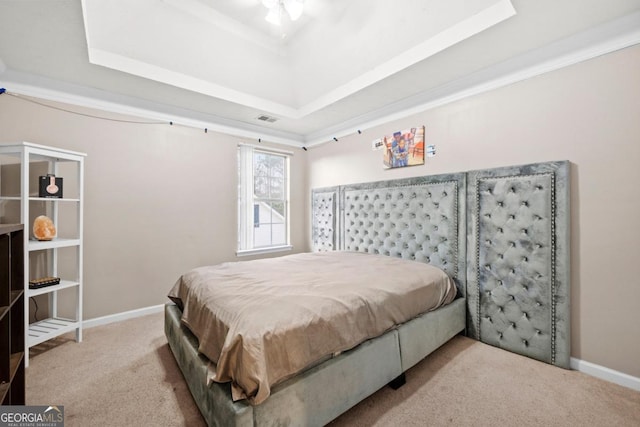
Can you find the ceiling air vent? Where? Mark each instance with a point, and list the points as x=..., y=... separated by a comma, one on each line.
x=266, y=118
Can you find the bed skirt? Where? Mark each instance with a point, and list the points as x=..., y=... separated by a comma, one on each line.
x=325, y=391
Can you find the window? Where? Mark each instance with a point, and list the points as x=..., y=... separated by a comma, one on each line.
x=263, y=200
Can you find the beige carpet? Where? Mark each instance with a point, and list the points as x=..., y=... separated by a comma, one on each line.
x=124, y=375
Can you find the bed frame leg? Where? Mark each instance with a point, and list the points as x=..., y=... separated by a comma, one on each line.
x=398, y=382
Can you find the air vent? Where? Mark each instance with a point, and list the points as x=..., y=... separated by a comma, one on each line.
x=266, y=118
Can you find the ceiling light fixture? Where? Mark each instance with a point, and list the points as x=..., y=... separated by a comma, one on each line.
x=276, y=7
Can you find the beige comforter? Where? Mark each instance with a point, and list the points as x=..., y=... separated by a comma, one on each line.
x=266, y=320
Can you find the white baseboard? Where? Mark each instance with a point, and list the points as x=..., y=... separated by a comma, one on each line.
x=605, y=373
x=118, y=317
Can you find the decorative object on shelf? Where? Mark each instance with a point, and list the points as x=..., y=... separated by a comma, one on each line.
x=50, y=186
x=43, y=228
x=403, y=148
x=43, y=281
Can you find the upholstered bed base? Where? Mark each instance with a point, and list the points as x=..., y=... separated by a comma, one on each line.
x=325, y=391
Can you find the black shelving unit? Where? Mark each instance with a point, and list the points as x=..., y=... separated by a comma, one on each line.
x=12, y=336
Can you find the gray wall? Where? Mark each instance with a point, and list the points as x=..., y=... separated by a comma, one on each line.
x=587, y=113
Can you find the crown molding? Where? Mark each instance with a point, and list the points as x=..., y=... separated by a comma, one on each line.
x=607, y=38
x=53, y=90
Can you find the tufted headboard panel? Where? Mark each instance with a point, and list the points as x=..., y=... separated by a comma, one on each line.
x=421, y=219
x=324, y=212
x=518, y=259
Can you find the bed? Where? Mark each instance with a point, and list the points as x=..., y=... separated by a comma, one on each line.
x=422, y=219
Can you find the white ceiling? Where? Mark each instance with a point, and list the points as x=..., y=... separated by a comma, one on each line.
x=345, y=65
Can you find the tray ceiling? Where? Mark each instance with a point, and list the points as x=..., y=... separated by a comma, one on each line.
x=341, y=67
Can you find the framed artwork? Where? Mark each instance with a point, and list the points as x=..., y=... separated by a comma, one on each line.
x=403, y=148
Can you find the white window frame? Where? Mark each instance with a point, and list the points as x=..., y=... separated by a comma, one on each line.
x=246, y=200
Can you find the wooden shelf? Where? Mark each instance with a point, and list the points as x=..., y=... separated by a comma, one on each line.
x=14, y=363
x=52, y=199
x=37, y=245
x=15, y=295
x=64, y=284
x=4, y=391
x=46, y=329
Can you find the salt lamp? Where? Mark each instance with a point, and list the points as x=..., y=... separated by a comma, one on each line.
x=43, y=228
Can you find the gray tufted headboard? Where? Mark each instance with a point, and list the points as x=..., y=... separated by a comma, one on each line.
x=502, y=234
x=415, y=218
x=518, y=259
